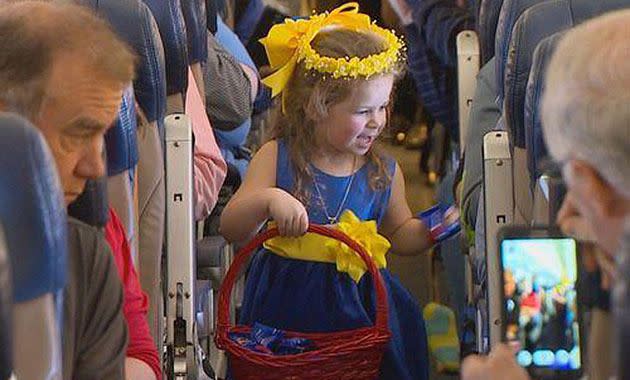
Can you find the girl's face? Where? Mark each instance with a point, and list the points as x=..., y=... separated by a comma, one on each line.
x=353, y=125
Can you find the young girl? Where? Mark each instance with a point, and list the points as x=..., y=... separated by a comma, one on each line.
x=321, y=163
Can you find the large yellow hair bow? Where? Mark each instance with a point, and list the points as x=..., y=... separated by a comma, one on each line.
x=289, y=43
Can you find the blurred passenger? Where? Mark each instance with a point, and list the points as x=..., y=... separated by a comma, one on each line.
x=232, y=84
x=585, y=117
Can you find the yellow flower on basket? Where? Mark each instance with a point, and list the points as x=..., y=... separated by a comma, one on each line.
x=290, y=42
x=314, y=247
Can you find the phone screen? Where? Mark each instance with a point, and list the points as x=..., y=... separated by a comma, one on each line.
x=540, y=301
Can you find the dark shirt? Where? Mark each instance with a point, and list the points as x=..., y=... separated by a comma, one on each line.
x=228, y=90
x=432, y=56
x=621, y=305
x=94, y=331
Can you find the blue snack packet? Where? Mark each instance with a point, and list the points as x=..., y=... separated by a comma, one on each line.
x=292, y=346
x=271, y=341
x=266, y=336
x=440, y=222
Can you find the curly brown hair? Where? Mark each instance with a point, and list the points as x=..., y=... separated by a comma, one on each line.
x=310, y=94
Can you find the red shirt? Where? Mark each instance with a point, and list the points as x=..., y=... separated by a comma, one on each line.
x=141, y=345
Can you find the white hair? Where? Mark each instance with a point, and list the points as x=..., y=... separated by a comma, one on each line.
x=586, y=104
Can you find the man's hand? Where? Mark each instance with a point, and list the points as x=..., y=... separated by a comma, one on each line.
x=499, y=365
x=402, y=10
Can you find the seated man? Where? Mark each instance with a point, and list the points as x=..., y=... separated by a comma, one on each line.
x=51, y=74
x=585, y=119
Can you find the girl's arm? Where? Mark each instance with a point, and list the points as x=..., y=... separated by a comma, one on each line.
x=408, y=235
x=258, y=199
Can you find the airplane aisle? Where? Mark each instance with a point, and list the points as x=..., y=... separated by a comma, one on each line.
x=415, y=272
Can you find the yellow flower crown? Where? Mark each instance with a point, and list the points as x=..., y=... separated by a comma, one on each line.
x=289, y=43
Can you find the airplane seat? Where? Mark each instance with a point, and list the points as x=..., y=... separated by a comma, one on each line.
x=487, y=20
x=534, y=142
x=545, y=184
x=183, y=358
x=172, y=28
x=6, y=305
x=538, y=22
x=194, y=12
x=33, y=214
x=133, y=21
x=534, y=25
x=121, y=144
x=509, y=14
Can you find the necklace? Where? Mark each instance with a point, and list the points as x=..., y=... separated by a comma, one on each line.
x=333, y=219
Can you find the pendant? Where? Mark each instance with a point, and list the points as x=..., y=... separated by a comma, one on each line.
x=331, y=220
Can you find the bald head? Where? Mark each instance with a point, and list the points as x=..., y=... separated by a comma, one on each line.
x=586, y=105
x=34, y=34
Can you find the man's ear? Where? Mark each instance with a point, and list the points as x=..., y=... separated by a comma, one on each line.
x=593, y=189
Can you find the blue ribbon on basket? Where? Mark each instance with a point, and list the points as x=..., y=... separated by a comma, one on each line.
x=269, y=340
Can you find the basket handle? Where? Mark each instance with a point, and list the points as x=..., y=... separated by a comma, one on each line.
x=244, y=253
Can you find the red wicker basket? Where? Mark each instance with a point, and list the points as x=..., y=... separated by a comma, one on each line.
x=353, y=354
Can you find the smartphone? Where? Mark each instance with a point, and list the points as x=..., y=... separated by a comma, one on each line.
x=540, y=310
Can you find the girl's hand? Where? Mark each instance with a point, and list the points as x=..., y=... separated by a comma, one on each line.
x=288, y=213
x=441, y=221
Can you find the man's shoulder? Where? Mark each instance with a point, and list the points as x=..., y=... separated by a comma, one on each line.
x=87, y=242
x=79, y=226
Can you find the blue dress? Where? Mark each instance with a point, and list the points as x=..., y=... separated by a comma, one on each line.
x=309, y=296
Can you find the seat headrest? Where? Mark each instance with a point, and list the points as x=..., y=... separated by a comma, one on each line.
x=134, y=23
x=170, y=21
x=487, y=26
x=536, y=23
x=32, y=210
x=91, y=207
x=534, y=142
x=121, y=140
x=194, y=12
x=510, y=12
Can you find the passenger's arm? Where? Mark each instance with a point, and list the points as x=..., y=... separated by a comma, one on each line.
x=258, y=199
x=228, y=88
x=142, y=361
x=210, y=168
x=253, y=80
x=136, y=369
x=408, y=235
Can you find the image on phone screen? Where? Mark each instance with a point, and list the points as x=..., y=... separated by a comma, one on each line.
x=540, y=301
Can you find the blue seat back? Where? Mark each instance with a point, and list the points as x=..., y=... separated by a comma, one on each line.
x=194, y=12
x=510, y=11
x=534, y=142
x=536, y=23
x=32, y=211
x=133, y=21
x=170, y=20
x=121, y=140
x=487, y=26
